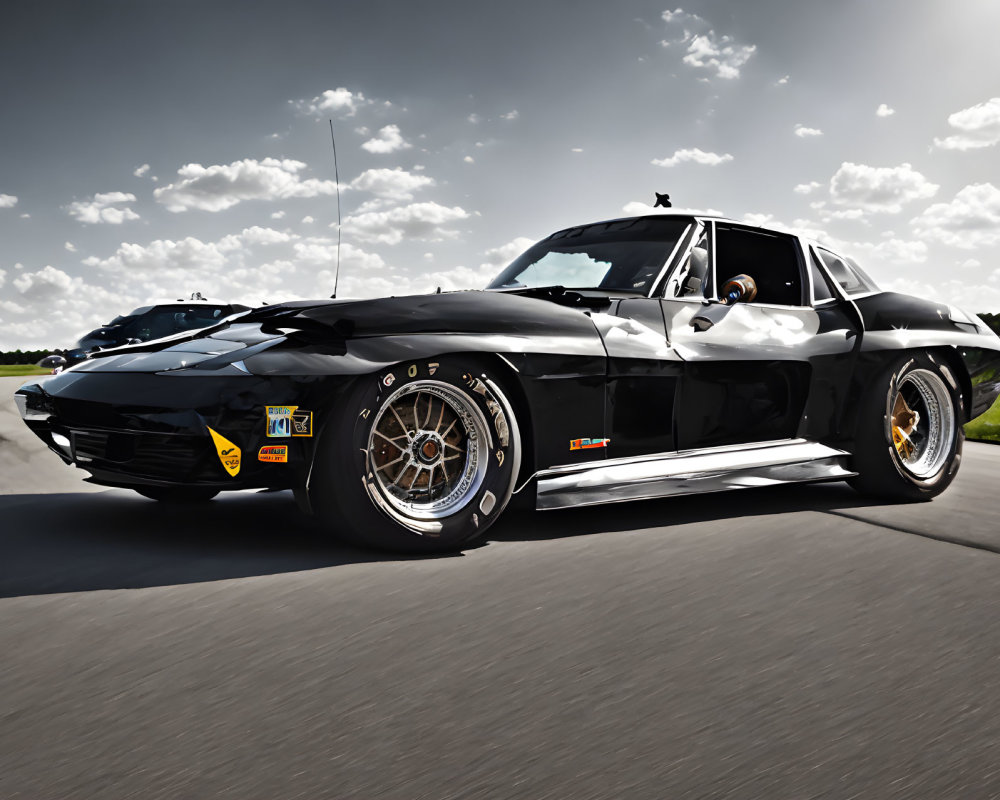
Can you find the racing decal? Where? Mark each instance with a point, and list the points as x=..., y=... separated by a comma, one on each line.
x=364, y=413
x=499, y=455
x=229, y=453
x=279, y=421
x=432, y=367
x=499, y=418
x=412, y=371
x=388, y=380
x=302, y=423
x=588, y=444
x=273, y=454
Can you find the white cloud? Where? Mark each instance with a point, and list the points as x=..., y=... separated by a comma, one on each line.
x=891, y=251
x=322, y=251
x=576, y=149
x=971, y=219
x=807, y=188
x=469, y=160
x=7, y=200
x=782, y=81
x=884, y=111
x=510, y=115
x=223, y=186
x=140, y=171
x=277, y=215
x=694, y=154
x=978, y=126
x=334, y=101
x=43, y=285
x=501, y=256
x=392, y=184
x=415, y=221
x=70, y=247
x=307, y=220
x=109, y=207
x=802, y=131
x=879, y=189
x=721, y=54
x=474, y=118
x=388, y=140
x=257, y=235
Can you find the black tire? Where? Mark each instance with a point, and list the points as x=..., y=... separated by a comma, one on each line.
x=178, y=495
x=924, y=457
x=421, y=457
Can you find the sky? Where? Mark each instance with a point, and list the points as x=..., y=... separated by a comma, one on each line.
x=149, y=150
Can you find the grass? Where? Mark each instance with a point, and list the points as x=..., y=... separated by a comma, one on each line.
x=986, y=427
x=15, y=370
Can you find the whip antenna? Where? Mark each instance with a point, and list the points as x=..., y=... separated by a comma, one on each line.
x=336, y=175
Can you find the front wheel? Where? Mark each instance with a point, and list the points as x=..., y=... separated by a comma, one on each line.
x=420, y=458
x=909, y=435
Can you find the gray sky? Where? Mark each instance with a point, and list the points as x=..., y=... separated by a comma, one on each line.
x=154, y=149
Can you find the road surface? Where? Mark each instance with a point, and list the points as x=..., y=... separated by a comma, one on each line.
x=793, y=642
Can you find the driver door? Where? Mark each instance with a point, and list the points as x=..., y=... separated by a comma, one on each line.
x=768, y=368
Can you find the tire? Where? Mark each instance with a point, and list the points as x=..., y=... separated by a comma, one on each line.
x=177, y=495
x=902, y=456
x=421, y=457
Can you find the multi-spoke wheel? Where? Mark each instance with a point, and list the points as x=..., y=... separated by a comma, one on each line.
x=910, y=435
x=421, y=457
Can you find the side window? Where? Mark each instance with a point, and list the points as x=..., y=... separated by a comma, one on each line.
x=851, y=277
x=690, y=278
x=771, y=259
x=821, y=288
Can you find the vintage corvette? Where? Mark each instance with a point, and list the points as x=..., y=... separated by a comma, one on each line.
x=621, y=360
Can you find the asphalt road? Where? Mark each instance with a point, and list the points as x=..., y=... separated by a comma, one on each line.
x=794, y=642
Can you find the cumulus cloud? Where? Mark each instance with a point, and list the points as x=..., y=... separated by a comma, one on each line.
x=694, y=154
x=807, y=188
x=510, y=115
x=879, y=189
x=140, y=171
x=782, y=81
x=334, y=101
x=70, y=247
x=891, y=251
x=505, y=253
x=802, y=131
x=978, y=126
x=634, y=208
x=391, y=184
x=323, y=251
x=705, y=50
x=970, y=219
x=388, y=140
x=222, y=186
x=414, y=221
x=108, y=207
x=884, y=111
x=277, y=215
x=7, y=200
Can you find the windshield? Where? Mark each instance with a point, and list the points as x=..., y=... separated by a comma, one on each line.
x=625, y=256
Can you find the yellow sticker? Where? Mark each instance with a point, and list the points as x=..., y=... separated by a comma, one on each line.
x=229, y=453
x=279, y=421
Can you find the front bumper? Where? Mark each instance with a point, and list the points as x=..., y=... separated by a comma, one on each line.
x=141, y=429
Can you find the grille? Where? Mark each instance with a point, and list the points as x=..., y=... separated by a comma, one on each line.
x=174, y=457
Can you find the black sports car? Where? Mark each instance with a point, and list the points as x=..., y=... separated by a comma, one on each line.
x=620, y=360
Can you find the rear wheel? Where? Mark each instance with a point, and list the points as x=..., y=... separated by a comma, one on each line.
x=909, y=440
x=420, y=458
x=178, y=494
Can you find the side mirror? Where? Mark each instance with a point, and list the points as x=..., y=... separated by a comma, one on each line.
x=709, y=315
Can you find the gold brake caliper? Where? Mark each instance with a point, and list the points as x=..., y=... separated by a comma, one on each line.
x=904, y=420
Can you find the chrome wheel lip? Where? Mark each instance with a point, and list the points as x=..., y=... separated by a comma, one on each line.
x=936, y=423
x=477, y=451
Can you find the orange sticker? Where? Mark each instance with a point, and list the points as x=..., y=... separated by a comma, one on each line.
x=273, y=454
